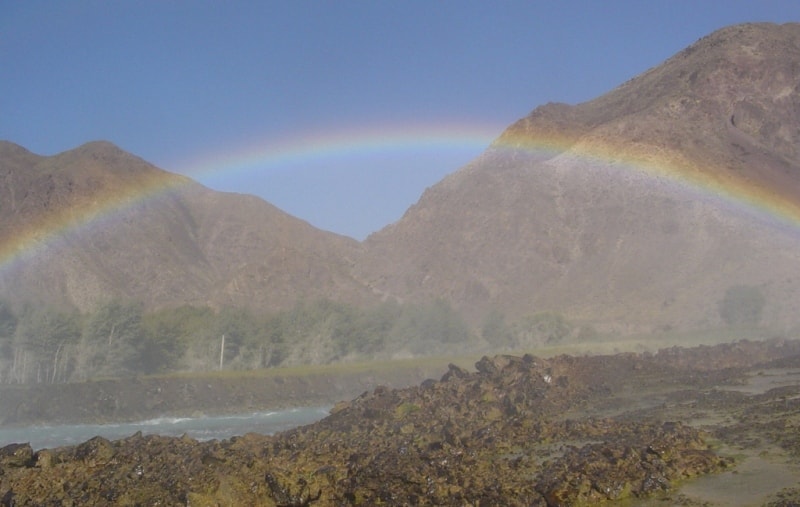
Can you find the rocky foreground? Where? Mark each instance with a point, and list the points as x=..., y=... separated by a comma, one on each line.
x=517, y=431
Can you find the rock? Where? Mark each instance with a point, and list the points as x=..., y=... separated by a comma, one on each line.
x=16, y=456
x=486, y=366
x=454, y=371
x=95, y=452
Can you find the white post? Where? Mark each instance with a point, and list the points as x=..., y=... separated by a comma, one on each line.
x=221, y=352
x=55, y=363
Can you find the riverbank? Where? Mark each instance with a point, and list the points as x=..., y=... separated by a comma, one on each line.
x=103, y=401
x=212, y=393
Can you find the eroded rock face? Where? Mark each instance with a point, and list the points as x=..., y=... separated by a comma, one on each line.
x=518, y=431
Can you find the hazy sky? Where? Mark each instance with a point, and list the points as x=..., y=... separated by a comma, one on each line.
x=339, y=112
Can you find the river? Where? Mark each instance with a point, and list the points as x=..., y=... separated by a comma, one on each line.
x=200, y=428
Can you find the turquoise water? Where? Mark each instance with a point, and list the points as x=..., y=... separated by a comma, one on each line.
x=200, y=428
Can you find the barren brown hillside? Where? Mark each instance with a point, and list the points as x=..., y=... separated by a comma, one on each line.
x=153, y=236
x=582, y=209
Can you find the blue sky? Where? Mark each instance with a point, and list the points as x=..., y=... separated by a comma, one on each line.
x=341, y=113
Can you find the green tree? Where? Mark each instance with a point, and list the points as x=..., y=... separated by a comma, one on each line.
x=196, y=345
x=43, y=344
x=542, y=328
x=429, y=328
x=317, y=332
x=8, y=326
x=8, y=320
x=113, y=341
x=345, y=326
x=242, y=333
x=495, y=331
x=374, y=326
x=167, y=336
x=742, y=306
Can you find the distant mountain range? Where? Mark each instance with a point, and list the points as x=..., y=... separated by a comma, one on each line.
x=636, y=211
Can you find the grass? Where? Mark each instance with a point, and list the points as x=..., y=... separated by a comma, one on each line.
x=604, y=344
x=350, y=368
x=652, y=342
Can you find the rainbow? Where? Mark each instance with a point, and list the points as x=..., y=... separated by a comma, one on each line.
x=258, y=156
x=248, y=159
x=711, y=183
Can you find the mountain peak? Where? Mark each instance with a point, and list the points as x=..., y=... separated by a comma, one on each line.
x=758, y=37
x=8, y=146
x=107, y=152
x=13, y=150
x=100, y=146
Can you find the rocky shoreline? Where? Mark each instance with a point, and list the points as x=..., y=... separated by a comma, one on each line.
x=516, y=431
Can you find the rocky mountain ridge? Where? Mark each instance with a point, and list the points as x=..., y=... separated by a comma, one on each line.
x=609, y=210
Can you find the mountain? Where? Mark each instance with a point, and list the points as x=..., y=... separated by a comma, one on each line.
x=114, y=226
x=615, y=211
x=651, y=207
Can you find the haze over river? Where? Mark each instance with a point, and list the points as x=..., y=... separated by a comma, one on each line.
x=199, y=428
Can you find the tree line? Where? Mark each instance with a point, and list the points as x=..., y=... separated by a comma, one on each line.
x=47, y=345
